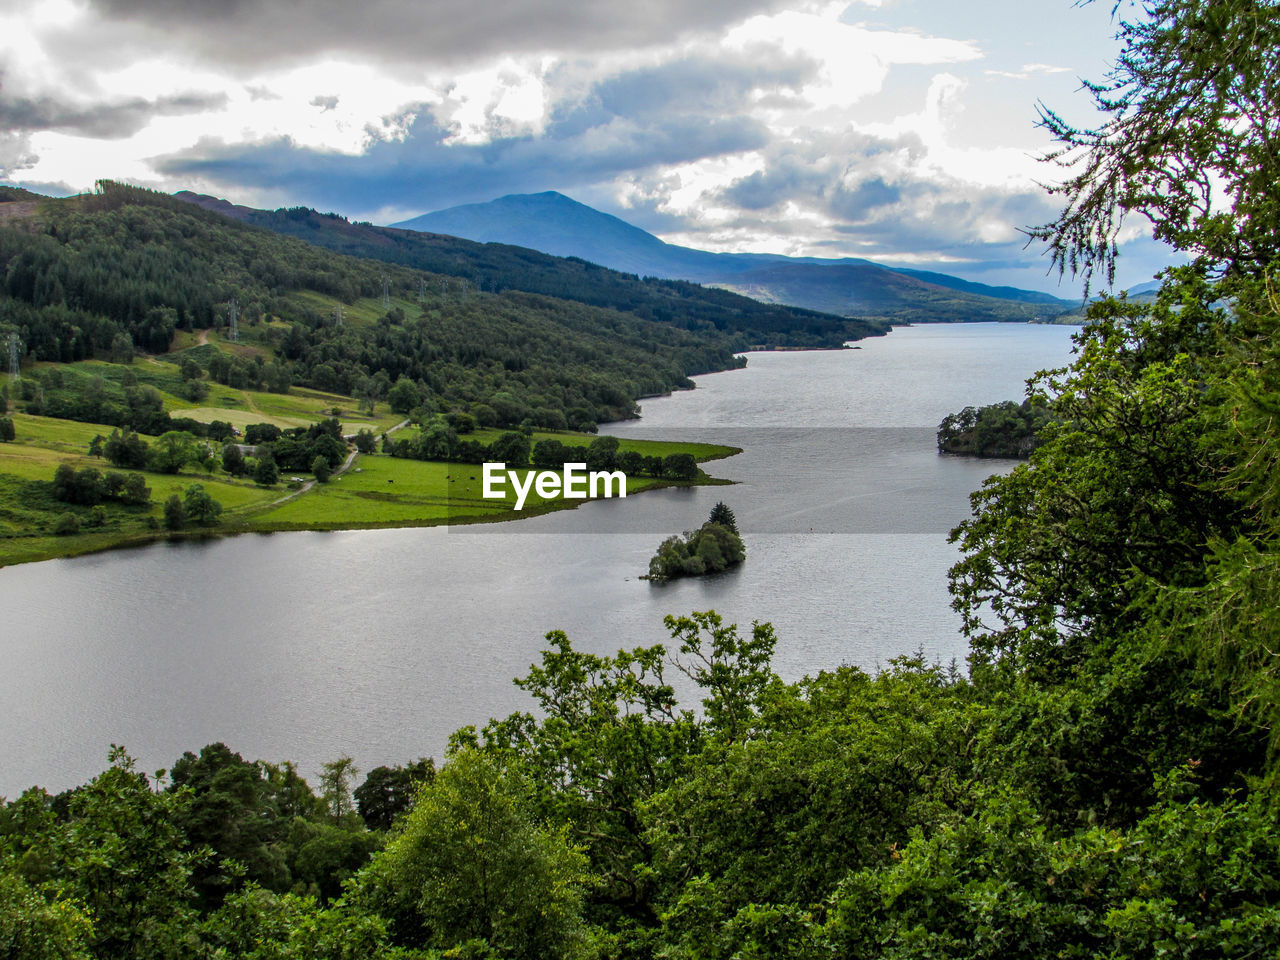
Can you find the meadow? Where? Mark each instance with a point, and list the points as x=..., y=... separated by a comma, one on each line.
x=376, y=491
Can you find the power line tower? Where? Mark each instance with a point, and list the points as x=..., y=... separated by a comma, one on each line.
x=15, y=371
x=337, y=317
x=386, y=292
x=422, y=289
x=233, y=328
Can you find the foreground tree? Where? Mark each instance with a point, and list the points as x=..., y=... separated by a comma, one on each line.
x=118, y=853
x=1189, y=143
x=471, y=863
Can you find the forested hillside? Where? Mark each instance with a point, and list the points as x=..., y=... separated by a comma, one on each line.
x=122, y=270
x=496, y=267
x=1101, y=783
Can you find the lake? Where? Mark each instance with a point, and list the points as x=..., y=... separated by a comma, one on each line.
x=378, y=644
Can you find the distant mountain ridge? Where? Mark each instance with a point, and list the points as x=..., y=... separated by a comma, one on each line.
x=553, y=223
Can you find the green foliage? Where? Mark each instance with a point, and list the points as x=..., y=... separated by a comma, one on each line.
x=320, y=467
x=336, y=783
x=198, y=506
x=1192, y=879
x=175, y=516
x=511, y=449
x=172, y=451
x=722, y=514
x=471, y=862
x=404, y=396
x=838, y=774
x=709, y=549
x=89, y=487
x=1008, y=430
x=388, y=792
x=1186, y=143
x=681, y=466
x=734, y=671
x=1122, y=486
x=126, y=449
x=7, y=431
x=32, y=925
x=119, y=853
x=233, y=460
x=259, y=433
x=66, y=525
x=265, y=472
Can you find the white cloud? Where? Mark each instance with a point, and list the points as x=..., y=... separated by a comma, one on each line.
x=505, y=99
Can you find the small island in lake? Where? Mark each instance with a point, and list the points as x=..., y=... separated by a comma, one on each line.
x=713, y=547
x=1008, y=430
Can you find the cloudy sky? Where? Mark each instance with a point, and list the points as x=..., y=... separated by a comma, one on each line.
x=898, y=130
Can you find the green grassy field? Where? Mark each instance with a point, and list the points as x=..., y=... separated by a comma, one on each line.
x=379, y=491
x=382, y=491
x=28, y=510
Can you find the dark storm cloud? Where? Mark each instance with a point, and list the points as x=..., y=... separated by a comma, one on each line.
x=423, y=172
x=107, y=121
x=251, y=32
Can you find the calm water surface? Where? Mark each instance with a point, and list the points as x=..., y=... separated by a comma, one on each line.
x=304, y=646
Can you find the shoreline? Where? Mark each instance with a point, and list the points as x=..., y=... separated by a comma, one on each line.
x=84, y=544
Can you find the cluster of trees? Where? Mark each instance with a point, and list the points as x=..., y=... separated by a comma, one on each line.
x=603, y=454
x=167, y=453
x=119, y=397
x=438, y=440
x=92, y=398
x=256, y=373
x=508, y=360
x=89, y=487
x=132, y=263
x=713, y=547
x=206, y=861
x=195, y=506
x=298, y=448
x=1009, y=430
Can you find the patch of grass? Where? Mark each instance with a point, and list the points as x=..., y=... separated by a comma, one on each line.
x=363, y=312
x=384, y=491
x=55, y=433
x=241, y=418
